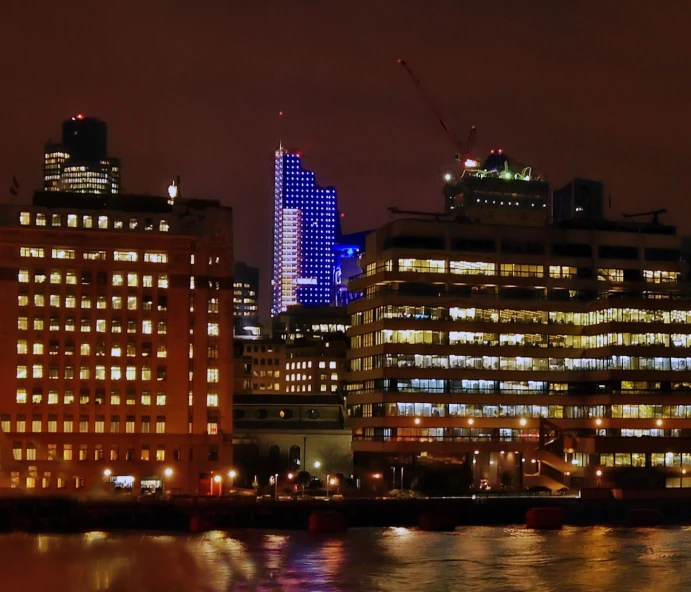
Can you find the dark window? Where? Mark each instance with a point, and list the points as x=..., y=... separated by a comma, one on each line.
x=261, y=414
x=312, y=414
x=655, y=254
x=102, y=278
x=415, y=242
x=474, y=245
x=294, y=457
x=572, y=250
x=213, y=452
x=238, y=414
x=86, y=278
x=274, y=451
x=527, y=247
x=285, y=414
x=617, y=252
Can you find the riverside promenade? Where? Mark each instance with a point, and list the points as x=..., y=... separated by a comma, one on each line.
x=180, y=514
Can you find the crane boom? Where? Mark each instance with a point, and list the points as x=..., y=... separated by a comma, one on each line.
x=463, y=148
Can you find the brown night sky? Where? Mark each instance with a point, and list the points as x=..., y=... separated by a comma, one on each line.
x=595, y=88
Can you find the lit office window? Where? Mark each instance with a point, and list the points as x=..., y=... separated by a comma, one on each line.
x=125, y=255
x=21, y=392
x=35, y=252
x=22, y=347
x=40, y=219
x=211, y=400
x=37, y=348
x=25, y=218
x=103, y=222
x=132, y=280
x=163, y=280
x=212, y=375
x=62, y=253
x=161, y=399
x=118, y=279
x=87, y=222
x=155, y=257
x=23, y=276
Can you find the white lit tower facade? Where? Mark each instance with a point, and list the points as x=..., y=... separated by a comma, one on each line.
x=305, y=227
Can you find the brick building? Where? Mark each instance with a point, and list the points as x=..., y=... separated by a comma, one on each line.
x=117, y=359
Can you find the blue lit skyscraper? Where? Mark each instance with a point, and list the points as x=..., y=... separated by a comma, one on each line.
x=305, y=226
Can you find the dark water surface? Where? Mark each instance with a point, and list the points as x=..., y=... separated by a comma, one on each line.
x=472, y=558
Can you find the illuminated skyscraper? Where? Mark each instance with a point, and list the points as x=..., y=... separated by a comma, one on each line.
x=80, y=163
x=305, y=225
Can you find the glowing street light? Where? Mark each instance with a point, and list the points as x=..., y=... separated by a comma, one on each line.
x=231, y=475
x=290, y=476
x=417, y=421
x=523, y=421
x=217, y=478
x=107, y=473
x=168, y=472
x=471, y=421
x=658, y=422
x=598, y=473
x=448, y=177
x=317, y=464
x=598, y=421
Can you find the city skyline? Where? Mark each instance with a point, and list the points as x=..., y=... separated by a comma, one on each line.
x=570, y=108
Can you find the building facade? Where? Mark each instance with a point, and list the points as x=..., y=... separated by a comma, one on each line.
x=560, y=358
x=281, y=432
x=80, y=163
x=304, y=233
x=117, y=354
x=499, y=190
x=246, y=300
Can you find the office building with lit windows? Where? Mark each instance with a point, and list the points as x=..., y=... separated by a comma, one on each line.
x=246, y=300
x=116, y=357
x=560, y=357
x=80, y=163
x=304, y=233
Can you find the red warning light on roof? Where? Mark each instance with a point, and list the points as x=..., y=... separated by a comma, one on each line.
x=298, y=154
x=280, y=113
x=491, y=151
x=80, y=116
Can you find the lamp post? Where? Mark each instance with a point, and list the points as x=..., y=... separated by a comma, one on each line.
x=681, y=478
x=218, y=479
x=393, y=477
x=231, y=475
x=276, y=487
x=599, y=474
x=167, y=473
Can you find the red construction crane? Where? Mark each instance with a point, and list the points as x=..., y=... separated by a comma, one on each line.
x=464, y=148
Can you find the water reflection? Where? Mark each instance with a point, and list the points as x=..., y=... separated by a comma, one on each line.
x=477, y=558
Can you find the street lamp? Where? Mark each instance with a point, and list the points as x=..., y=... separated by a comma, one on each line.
x=231, y=475
x=217, y=479
x=317, y=464
x=107, y=473
x=599, y=474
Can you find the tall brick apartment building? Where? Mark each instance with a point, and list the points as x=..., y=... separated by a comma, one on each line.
x=116, y=352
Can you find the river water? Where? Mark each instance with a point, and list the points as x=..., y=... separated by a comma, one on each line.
x=389, y=559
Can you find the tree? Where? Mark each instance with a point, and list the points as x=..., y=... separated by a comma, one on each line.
x=303, y=478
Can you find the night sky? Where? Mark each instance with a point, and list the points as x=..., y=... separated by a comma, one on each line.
x=597, y=88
